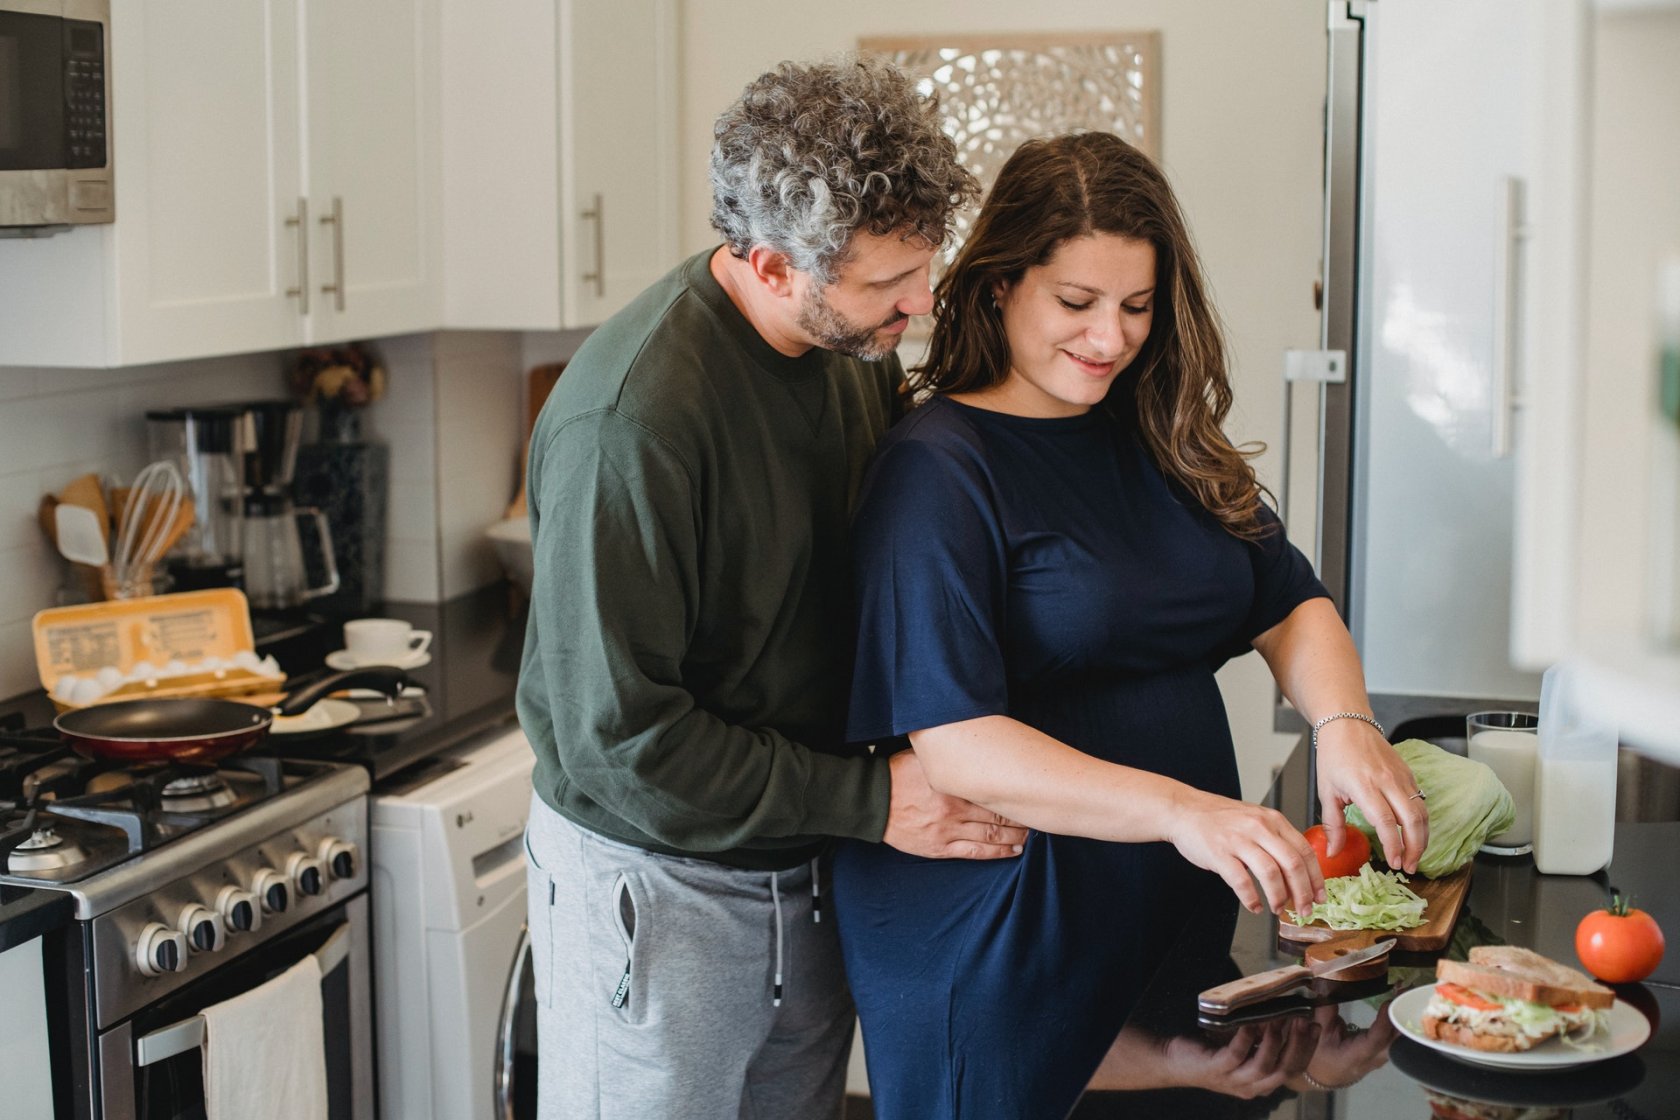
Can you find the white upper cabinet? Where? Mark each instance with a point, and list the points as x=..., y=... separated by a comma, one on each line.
x=560, y=179
x=276, y=171
x=372, y=167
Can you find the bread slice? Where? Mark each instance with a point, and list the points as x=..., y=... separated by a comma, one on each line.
x=1505, y=970
x=1499, y=1037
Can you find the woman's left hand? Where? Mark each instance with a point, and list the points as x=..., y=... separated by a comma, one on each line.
x=1357, y=766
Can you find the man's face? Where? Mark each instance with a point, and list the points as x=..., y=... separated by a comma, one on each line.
x=864, y=312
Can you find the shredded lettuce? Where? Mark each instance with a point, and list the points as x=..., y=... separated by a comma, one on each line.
x=1371, y=899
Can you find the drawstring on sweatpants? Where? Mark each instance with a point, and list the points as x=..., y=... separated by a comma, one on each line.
x=776, y=905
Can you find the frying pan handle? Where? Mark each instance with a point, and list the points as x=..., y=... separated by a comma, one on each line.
x=381, y=678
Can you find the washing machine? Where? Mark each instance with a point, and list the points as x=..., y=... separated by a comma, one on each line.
x=447, y=858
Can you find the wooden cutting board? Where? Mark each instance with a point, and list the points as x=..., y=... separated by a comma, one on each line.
x=1444, y=897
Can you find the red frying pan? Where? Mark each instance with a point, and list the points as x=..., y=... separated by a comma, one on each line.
x=201, y=730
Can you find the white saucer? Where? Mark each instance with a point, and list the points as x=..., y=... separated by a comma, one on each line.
x=323, y=715
x=341, y=660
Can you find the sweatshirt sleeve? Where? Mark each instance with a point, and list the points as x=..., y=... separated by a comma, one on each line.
x=617, y=530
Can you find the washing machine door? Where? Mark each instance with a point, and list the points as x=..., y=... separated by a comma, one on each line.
x=516, y=1039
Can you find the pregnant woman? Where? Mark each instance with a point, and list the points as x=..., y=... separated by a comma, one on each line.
x=1054, y=553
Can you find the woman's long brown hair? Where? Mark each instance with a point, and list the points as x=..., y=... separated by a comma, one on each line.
x=1049, y=192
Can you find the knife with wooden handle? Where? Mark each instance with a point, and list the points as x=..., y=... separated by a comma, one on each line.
x=1264, y=985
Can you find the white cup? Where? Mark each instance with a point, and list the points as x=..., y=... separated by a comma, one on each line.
x=384, y=641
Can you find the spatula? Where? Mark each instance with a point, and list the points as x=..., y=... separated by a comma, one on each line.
x=81, y=538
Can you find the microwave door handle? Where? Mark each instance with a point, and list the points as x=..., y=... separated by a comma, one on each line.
x=188, y=1034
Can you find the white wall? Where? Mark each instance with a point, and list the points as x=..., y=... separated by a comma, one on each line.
x=1242, y=102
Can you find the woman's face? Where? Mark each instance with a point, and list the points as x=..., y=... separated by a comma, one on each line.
x=1074, y=322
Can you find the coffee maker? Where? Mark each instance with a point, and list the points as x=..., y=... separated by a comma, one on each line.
x=276, y=575
x=209, y=447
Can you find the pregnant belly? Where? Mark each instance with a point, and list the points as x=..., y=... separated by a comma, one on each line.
x=1172, y=724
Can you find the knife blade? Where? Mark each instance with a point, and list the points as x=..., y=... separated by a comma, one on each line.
x=1226, y=998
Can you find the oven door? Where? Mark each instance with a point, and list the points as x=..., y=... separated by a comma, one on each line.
x=151, y=1066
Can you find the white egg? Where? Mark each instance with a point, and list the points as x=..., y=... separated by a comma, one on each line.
x=211, y=663
x=247, y=659
x=64, y=686
x=175, y=668
x=142, y=670
x=86, y=691
x=109, y=677
x=270, y=667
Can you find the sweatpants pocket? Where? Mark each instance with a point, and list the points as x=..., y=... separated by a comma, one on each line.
x=539, y=919
x=624, y=920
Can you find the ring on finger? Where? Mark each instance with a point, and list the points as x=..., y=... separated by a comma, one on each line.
x=1418, y=796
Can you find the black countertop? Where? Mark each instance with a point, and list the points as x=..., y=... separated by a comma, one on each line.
x=1281, y=1065
x=469, y=683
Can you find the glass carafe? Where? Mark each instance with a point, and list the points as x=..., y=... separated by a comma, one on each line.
x=276, y=577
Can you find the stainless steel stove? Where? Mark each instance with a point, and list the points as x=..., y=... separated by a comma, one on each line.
x=191, y=885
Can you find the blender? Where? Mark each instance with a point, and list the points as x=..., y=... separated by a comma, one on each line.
x=276, y=576
x=208, y=446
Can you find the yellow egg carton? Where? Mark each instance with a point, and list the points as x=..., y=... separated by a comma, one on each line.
x=192, y=643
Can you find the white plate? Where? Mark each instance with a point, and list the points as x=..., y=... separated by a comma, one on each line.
x=342, y=660
x=1628, y=1031
x=323, y=715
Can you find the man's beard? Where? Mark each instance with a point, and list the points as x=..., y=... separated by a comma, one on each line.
x=833, y=331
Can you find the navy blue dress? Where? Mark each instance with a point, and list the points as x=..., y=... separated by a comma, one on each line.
x=1046, y=570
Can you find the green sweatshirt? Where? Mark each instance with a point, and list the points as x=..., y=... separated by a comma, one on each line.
x=686, y=664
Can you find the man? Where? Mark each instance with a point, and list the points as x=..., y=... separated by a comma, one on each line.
x=686, y=665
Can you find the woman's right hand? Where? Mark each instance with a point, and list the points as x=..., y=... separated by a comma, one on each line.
x=1242, y=844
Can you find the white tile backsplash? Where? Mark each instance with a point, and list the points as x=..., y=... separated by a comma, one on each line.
x=451, y=415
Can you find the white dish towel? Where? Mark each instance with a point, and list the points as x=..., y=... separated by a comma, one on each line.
x=264, y=1052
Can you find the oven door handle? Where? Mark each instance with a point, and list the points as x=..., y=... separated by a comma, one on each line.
x=177, y=1038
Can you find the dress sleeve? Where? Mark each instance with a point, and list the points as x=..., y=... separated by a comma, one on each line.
x=929, y=571
x=613, y=606
x=1283, y=580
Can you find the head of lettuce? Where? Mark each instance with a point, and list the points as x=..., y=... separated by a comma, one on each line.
x=1467, y=804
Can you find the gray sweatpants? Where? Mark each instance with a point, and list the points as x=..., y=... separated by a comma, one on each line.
x=655, y=980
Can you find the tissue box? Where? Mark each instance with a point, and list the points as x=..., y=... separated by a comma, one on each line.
x=194, y=643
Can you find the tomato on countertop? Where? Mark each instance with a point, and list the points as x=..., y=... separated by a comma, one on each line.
x=1619, y=944
x=1355, y=853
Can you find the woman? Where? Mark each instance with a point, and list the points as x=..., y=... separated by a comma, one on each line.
x=1054, y=554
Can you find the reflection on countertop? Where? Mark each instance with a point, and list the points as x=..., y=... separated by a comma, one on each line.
x=1333, y=1052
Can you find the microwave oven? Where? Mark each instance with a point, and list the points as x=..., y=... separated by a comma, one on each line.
x=55, y=115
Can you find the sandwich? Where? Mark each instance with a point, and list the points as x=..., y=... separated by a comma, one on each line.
x=1443, y=1107
x=1508, y=999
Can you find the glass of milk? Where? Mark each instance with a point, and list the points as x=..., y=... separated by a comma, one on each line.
x=1509, y=743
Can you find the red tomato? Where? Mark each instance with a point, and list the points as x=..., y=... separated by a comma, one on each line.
x=1356, y=851
x=1620, y=944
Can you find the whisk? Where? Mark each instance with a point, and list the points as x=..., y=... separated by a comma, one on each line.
x=154, y=500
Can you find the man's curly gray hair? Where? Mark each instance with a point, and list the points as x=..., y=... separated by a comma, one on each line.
x=811, y=154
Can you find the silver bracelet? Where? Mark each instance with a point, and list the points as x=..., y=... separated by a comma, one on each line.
x=1346, y=715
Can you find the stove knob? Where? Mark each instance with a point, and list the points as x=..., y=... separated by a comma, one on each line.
x=306, y=873
x=202, y=928
x=340, y=856
x=241, y=912
x=272, y=888
x=160, y=950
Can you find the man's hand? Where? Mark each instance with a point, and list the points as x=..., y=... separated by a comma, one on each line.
x=924, y=822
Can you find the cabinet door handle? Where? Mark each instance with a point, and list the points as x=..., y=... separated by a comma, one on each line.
x=1507, y=312
x=300, y=221
x=336, y=221
x=598, y=215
